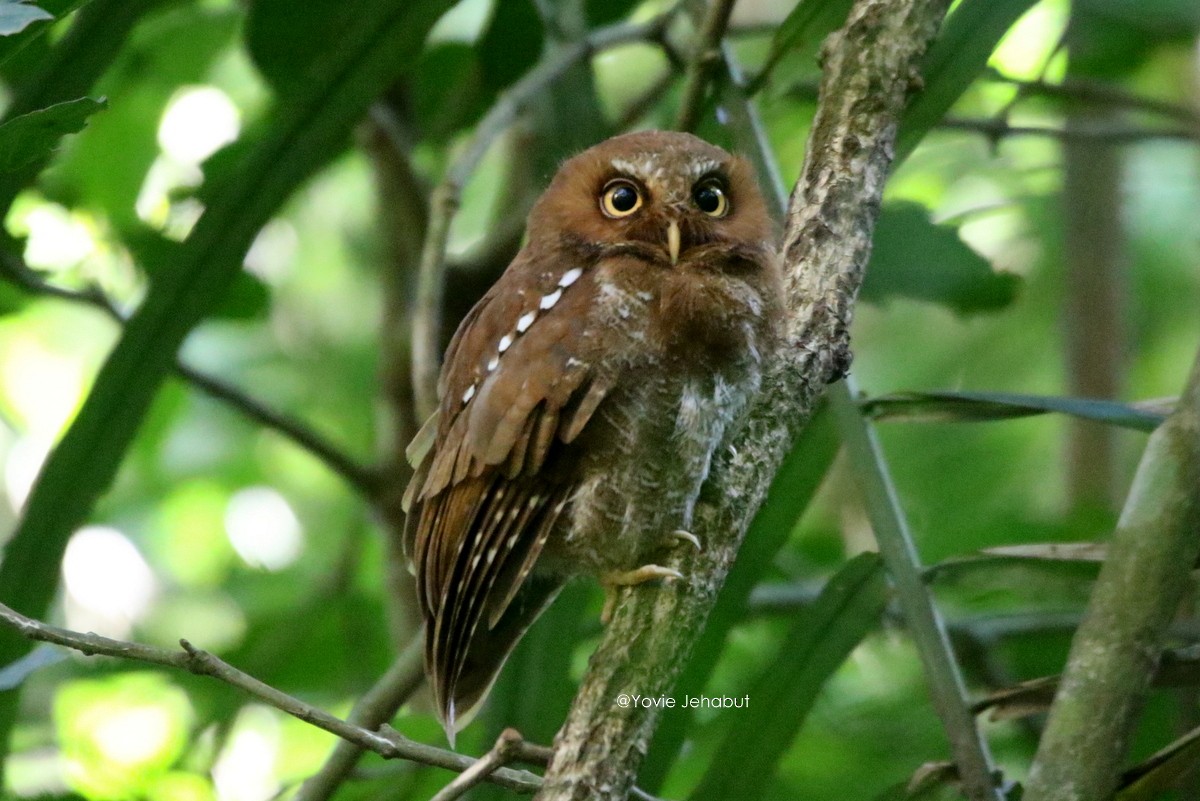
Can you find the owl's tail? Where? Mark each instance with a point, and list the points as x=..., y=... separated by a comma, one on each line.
x=460, y=690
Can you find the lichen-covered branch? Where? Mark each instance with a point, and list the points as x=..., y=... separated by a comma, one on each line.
x=1119, y=643
x=870, y=67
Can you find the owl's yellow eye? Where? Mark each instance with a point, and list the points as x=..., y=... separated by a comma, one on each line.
x=620, y=199
x=710, y=199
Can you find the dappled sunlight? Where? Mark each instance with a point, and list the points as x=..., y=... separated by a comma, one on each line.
x=263, y=529
x=245, y=771
x=109, y=584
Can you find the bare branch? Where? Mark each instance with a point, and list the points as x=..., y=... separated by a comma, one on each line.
x=384, y=741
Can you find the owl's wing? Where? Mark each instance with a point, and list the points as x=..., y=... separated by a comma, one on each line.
x=518, y=387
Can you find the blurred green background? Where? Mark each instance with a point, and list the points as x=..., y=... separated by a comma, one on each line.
x=1043, y=239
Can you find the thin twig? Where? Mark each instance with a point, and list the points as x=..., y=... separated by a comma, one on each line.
x=364, y=479
x=1094, y=92
x=385, y=741
x=426, y=318
x=641, y=105
x=995, y=128
x=704, y=59
x=928, y=629
x=503, y=752
x=361, y=478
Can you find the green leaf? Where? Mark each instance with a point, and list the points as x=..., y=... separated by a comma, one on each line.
x=955, y=59
x=1111, y=39
x=447, y=91
x=303, y=133
x=511, y=44
x=603, y=12
x=16, y=15
x=987, y=406
x=791, y=491
x=1163, y=771
x=292, y=49
x=819, y=641
x=57, y=9
x=248, y=298
x=31, y=137
x=805, y=27
x=106, y=166
x=98, y=34
x=914, y=258
x=12, y=299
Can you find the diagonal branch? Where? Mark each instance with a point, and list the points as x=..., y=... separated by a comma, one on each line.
x=869, y=71
x=384, y=740
x=705, y=58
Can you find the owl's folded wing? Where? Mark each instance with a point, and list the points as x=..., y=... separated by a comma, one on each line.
x=518, y=387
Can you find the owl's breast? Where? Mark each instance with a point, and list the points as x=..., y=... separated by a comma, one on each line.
x=648, y=454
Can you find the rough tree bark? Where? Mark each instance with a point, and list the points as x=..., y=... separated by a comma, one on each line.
x=870, y=68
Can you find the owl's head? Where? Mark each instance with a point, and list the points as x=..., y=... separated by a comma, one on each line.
x=664, y=196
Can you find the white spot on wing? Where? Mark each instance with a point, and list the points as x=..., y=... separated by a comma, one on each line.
x=505, y=341
x=493, y=364
x=548, y=301
x=570, y=277
x=470, y=393
x=525, y=321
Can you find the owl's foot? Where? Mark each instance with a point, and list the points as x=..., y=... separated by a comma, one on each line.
x=680, y=536
x=614, y=580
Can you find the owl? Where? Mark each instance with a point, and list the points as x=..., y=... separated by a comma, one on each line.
x=582, y=398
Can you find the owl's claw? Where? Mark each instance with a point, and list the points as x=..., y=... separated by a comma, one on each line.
x=614, y=580
x=686, y=536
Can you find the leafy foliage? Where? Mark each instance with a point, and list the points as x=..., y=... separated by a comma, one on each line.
x=248, y=185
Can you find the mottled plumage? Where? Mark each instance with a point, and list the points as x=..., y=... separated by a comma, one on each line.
x=582, y=398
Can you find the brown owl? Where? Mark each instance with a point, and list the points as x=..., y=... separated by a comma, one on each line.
x=582, y=398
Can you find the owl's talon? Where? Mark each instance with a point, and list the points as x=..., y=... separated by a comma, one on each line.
x=686, y=536
x=614, y=580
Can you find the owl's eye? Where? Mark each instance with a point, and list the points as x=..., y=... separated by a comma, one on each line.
x=620, y=198
x=710, y=198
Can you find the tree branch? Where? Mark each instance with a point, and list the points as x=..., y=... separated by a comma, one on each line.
x=705, y=57
x=384, y=740
x=1115, y=650
x=870, y=68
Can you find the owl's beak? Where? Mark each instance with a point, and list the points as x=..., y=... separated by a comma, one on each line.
x=673, y=241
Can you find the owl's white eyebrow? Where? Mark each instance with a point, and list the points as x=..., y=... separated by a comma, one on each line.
x=645, y=167
x=703, y=167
